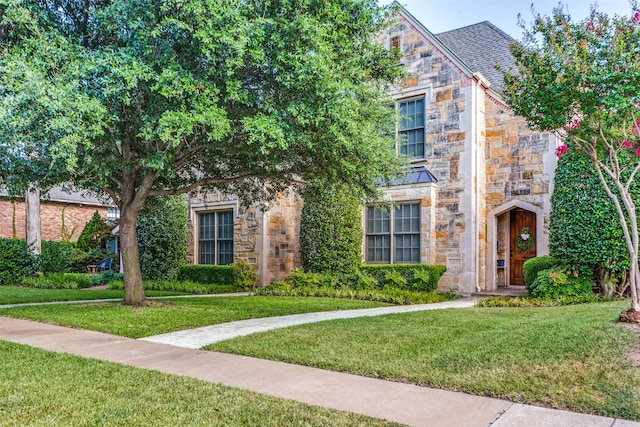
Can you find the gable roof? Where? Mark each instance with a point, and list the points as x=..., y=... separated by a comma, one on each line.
x=481, y=46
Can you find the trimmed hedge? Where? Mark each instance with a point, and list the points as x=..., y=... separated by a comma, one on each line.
x=207, y=274
x=186, y=287
x=533, y=266
x=416, y=277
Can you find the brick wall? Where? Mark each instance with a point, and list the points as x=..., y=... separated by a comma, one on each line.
x=76, y=216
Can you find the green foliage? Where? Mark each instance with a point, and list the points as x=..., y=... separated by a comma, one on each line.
x=418, y=277
x=16, y=261
x=533, y=266
x=82, y=259
x=180, y=286
x=555, y=283
x=62, y=281
x=245, y=275
x=56, y=257
x=163, y=230
x=529, y=301
x=207, y=274
x=330, y=229
x=391, y=296
x=95, y=234
x=581, y=226
x=157, y=98
x=581, y=80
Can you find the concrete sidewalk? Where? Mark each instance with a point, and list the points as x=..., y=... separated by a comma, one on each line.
x=404, y=403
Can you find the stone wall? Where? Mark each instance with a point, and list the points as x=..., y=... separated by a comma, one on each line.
x=52, y=213
x=448, y=148
x=267, y=240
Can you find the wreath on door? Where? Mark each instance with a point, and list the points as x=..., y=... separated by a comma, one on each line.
x=525, y=240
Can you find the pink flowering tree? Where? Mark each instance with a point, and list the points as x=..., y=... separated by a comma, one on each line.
x=581, y=80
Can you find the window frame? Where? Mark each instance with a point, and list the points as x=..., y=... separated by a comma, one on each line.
x=400, y=131
x=393, y=233
x=217, y=240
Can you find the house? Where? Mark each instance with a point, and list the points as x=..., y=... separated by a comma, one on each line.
x=63, y=214
x=477, y=198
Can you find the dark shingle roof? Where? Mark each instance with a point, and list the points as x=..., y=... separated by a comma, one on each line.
x=481, y=46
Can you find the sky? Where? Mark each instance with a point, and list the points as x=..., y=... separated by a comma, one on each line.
x=443, y=15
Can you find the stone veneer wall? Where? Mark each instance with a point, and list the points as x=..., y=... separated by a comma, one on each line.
x=267, y=240
x=76, y=217
x=449, y=149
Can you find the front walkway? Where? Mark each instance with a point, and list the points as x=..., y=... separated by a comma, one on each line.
x=200, y=337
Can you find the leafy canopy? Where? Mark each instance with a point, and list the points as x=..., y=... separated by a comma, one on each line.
x=164, y=95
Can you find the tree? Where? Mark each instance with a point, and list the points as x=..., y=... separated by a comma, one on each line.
x=160, y=97
x=330, y=229
x=582, y=81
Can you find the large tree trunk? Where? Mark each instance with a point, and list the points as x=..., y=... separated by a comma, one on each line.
x=32, y=212
x=133, y=290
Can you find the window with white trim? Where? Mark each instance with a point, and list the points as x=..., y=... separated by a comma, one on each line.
x=411, y=130
x=393, y=235
x=215, y=237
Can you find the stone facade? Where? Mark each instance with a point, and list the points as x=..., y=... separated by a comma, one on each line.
x=487, y=162
x=59, y=221
x=268, y=240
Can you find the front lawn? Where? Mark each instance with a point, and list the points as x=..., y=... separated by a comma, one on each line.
x=570, y=357
x=20, y=295
x=177, y=314
x=40, y=388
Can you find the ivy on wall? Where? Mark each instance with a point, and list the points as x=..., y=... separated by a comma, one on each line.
x=330, y=229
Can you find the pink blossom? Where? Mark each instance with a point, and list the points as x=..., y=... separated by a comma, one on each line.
x=626, y=144
x=590, y=26
x=635, y=127
x=575, y=124
x=561, y=150
x=636, y=18
x=637, y=151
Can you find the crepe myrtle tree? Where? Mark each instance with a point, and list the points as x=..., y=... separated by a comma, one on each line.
x=581, y=80
x=160, y=97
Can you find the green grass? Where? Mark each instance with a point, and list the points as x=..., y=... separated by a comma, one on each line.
x=176, y=314
x=569, y=357
x=41, y=388
x=19, y=295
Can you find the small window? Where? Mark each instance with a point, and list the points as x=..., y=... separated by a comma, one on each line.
x=411, y=131
x=215, y=238
x=395, y=42
x=393, y=236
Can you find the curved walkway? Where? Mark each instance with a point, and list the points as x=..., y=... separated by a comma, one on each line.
x=200, y=337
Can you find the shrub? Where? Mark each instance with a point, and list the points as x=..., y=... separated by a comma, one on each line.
x=163, y=230
x=426, y=280
x=555, y=283
x=81, y=259
x=245, y=275
x=16, y=261
x=528, y=301
x=330, y=229
x=174, y=286
x=533, y=266
x=56, y=257
x=60, y=281
x=207, y=274
x=95, y=234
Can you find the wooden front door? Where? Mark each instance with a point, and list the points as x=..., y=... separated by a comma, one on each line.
x=523, y=247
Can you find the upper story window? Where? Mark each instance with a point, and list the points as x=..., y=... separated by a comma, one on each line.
x=411, y=130
x=113, y=215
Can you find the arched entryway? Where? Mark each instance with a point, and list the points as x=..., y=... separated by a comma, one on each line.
x=515, y=234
